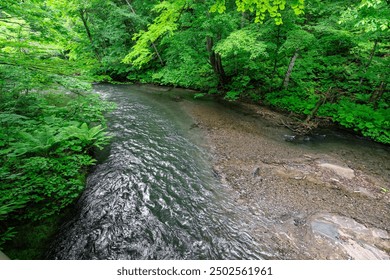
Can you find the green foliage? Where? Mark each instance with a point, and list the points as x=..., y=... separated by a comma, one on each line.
x=232, y=95
x=369, y=15
x=184, y=64
x=297, y=39
x=262, y=8
x=299, y=102
x=49, y=123
x=164, y=24
x=88, y=137
x=362, y=118
x=46, y=155
x=242, y=43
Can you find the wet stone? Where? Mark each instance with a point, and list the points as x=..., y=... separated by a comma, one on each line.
x=325, y=229
x=345, y=172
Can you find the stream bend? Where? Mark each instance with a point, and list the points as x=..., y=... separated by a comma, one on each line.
x=154, y=196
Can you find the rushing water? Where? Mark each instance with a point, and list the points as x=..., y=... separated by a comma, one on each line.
x=154, y=196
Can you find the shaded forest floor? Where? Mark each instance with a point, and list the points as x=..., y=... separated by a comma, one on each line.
x=312, y=203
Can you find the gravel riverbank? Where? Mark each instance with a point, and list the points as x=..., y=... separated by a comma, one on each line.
x=323, y=201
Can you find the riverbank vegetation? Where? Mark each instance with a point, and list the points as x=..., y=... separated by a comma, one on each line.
x=50, y=122
x=321, y=60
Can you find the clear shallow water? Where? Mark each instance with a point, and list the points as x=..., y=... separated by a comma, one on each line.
x=154, y=196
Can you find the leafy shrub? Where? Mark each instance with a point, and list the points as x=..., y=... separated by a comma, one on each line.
x=298, y=102
x=232, y=95
x=362, y=118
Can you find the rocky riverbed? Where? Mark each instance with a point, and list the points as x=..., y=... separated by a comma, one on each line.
x=321, y=200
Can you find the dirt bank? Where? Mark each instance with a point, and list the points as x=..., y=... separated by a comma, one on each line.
x=325, y=202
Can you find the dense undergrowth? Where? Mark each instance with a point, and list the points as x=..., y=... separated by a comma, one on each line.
x=361, y=117
x=46, y=148
x=50, y=123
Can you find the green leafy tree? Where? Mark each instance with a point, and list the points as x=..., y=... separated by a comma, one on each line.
x=262, y=8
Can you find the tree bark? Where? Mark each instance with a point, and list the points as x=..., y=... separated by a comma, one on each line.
x=290, y=68
x=216, y=62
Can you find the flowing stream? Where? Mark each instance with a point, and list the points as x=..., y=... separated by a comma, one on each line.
x=153, y=195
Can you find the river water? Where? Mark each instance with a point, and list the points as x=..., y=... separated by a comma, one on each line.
x=153, y=195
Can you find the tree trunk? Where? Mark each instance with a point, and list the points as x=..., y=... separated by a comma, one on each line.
x=216, y=62
x=276, y=59
x=84, y=18
x=131, y=6
x=378, y=94
x=158, y=54
x=290, y=68
x=243, y=19
x=369, y=61
x=318, y=105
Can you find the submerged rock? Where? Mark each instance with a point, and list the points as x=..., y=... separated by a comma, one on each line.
x=303, y=138
x=297, y=138
x=289, y=138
